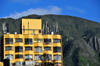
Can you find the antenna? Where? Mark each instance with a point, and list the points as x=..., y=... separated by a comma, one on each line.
x=46, y=27
x=4, y=27
x=56, y=27
x=43, y=29
x=28, y=27
x=7, y=27
x=48, y=30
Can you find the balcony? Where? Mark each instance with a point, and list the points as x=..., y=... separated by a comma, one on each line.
x=59, y=53
x=28, y=52
x=9, y=52
x=19, y=44
x=57, y=44
x=9, y=45
x=48, y=52
x=57, y=36
x=38, y=44
x=58, y=61
x=28, y=45
x=19, y=59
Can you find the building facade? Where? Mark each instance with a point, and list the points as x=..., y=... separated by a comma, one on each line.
x=31, y=47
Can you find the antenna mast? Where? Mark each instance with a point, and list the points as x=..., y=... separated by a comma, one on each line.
x=4, y=27
x=28, y=27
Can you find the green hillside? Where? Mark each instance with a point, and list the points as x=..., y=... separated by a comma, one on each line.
x=76, y=33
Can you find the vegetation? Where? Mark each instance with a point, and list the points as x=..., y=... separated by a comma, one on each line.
x=71, y=28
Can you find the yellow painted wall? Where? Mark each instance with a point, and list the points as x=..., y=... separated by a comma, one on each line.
x=23, y=36
x=1, y=63
x=34, y=24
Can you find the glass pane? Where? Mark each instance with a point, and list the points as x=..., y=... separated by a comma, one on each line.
x=39, y=31
x=35, y=40
x=47, y=48
x=18, y=40
x=28, y=57
x=47, y=41
x=28, y=48
x=56, y=49
x=57, y=57
x=18, y=49
x=38, y=49
x=38, y=57
x=56, y=40
x=9, y=48
x=28, y=41
x=9, y=56
x=8, y=40
x=18, y=56
x=40, y=40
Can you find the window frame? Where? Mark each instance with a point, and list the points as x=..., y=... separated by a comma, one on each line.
x=29, y=57
x=19, y=48
x=28, y=47
x=18, y=55
x=37, y=40
x=39, y=31
x=39, y=49
x=6, y=47
x=18, y=40
x=8, y=40
x=49, y=55
x=28, y=41
x=10, y=57
x=56, y=40
x=47, y=41
x=47, y=47
x=57, y=58
x=56, y=49
x=38, y=57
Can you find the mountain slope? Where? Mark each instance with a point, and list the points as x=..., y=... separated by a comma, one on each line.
x=76, y=50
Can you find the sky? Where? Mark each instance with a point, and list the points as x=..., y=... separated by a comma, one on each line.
x=88, y=9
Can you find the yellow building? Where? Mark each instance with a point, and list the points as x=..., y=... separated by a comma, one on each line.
x=31, y=46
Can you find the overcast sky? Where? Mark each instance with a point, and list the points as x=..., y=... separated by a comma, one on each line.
x=88, y=9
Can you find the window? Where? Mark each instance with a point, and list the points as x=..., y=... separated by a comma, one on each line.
x=18, y=40
x=9, y=56
x=35, y=40
x=47, y=41
x=39, y=31
x=57, y=57
x=28, y=57
x=9, y=48
x=28, y=48
x=38, y=57
x=38, y=40
x=56, y=40
x=18, y=49
x=8, y=40
x=47, y=57
x=18, y=56
x=28, y=41
x=47, y=48
x=38, y=49
x=56, y=49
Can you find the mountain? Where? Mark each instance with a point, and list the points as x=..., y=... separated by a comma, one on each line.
x=80, y=37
